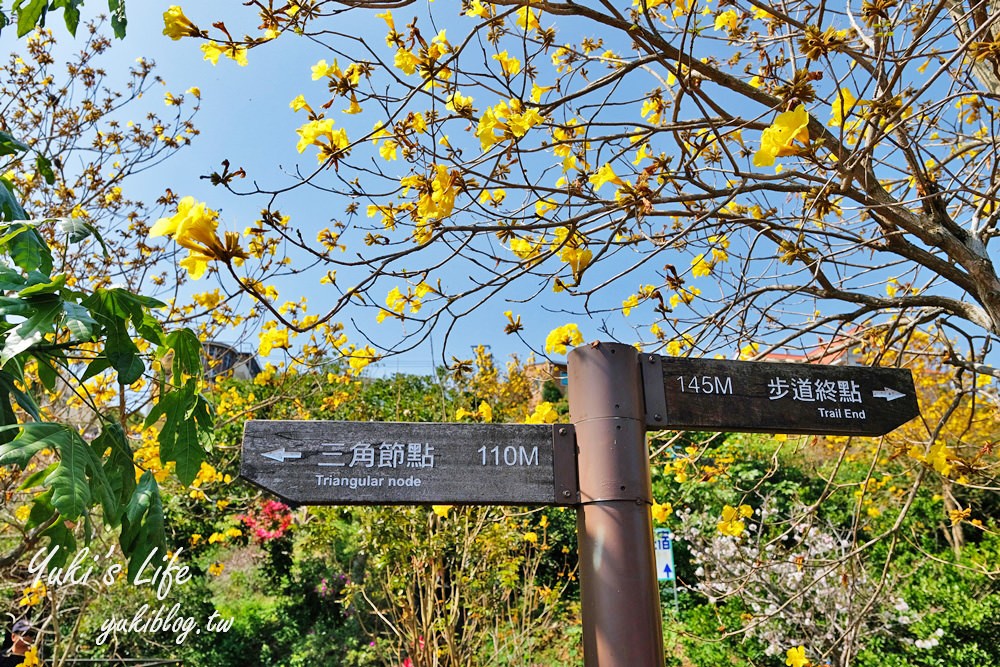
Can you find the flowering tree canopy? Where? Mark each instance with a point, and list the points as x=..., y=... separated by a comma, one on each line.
x=751, y=173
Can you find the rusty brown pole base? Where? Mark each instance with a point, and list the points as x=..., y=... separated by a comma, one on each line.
x=618, y=586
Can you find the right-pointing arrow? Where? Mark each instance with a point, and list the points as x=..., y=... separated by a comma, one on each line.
x=888, y=394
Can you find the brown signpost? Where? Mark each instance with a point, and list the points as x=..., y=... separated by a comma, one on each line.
x=600, y=464
x=388, y=463
x=752, y=396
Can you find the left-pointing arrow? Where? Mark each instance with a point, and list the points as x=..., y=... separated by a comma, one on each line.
x=280, y=455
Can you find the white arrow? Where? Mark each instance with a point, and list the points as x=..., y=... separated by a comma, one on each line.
x=280, y=455
x=888, y=394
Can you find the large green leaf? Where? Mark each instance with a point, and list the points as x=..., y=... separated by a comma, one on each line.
x=118, y=468
x=10, y=279
x=113, y=312
x=58, y=534
x=187, y=423
x=10, y=208
x=9, y=145
x=79, y=322
x=95, y=368
x=32, y=331
x=187, y=353
x=29, y=250
x=33, y=438
x=77, y=230
x=78, y=478
x=29, y=14
x=118, y=20
x=39, y=283
x=8, y=390
x=47, y=367
x=37, y=478
x=79, y=470
x=11, y=305
x=142, y=524
x=44, y=167
x=71, y=13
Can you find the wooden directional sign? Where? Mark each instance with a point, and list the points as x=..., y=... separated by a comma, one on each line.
x=762, y=397
x=386, y=463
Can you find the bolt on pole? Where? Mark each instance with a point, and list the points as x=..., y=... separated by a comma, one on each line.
x=618, y=586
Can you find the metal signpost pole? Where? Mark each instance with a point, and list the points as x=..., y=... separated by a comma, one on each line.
x=618, y=586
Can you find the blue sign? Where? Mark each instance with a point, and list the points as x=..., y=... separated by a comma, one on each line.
x=663, y=545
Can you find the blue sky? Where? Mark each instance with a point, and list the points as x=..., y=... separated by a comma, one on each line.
x=245, y=118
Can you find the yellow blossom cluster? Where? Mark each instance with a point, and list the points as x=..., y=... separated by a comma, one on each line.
x=435, y=201
x=544, y=413
x=660, y=511
x=796, y=657
x=207, y=475
x=332, y=144
x=571, y=248
x=778, y=139
x=231, y=403
x=732, y=520
x=147, y=456
x=506, y=121
x=484, y=413
x=645, y=292
x=562, y=337
x=396, y=302
x=272, y=336
x=194, y=227
x=33, y=595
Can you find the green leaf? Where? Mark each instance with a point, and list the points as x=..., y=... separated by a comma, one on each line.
x=29, y=250
x=113, y=312
x=60, y=535
x=95, y=368
x=118, y=468
x=71, y=14
x=77, y=470
x=10, y=305
x=47, y=372
x=32, y=331
x=29, y=16
x=132, y=372
x=37, y=478
x=10, y=209
x=118, y=19
x=77, y=477
x=11, y=280
x=41, y=511
x=187, y=352
x=44, y=284
x=75, y=228
x=8, y=388
x=7, y=418
x=150, y=329
x=187, y=421
x=9, y=145
x=44, y=166
x=142, y=524
x=34, y=437
x=78, y=321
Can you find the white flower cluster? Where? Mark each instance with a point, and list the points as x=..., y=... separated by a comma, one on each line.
x=806, y=585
